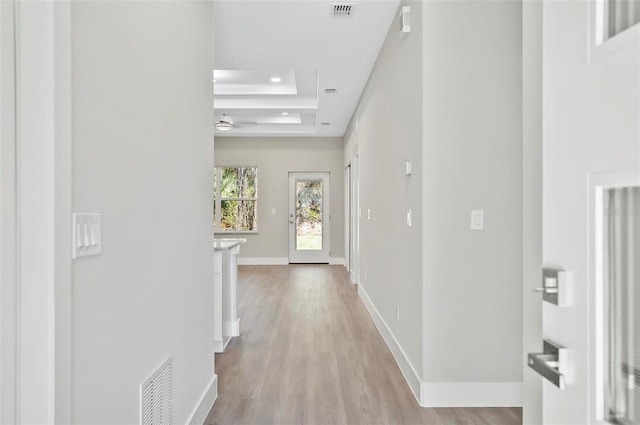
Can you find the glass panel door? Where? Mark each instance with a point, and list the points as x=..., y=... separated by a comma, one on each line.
x=309, y=219
x=309, y=214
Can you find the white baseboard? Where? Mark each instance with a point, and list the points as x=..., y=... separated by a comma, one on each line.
x=279, y=261
x=263, y=261
x=471, y=394
x=235, y=328
x=407, y=369
x=205, y=403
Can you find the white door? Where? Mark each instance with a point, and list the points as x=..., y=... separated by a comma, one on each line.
x=309, y=220
x=591, y=105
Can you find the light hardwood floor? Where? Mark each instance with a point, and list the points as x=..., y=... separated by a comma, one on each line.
x=310, y=354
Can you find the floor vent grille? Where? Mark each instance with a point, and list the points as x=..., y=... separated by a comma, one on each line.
x=342, y=10
x=156, y=398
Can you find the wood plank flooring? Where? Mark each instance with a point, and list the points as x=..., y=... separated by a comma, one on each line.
x=310, y=354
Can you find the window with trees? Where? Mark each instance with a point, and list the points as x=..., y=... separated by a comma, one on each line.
x=235, y=207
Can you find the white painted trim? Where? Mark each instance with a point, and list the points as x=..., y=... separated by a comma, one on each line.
x=62, y=304
x=8, y=219
x=407, y=369
x=279, y=261
x=235, y=328
x=207, y=399
x=471, y=394
x=263, y=261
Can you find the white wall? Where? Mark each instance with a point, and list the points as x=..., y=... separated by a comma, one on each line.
x=472, y=160
x=590, y=116
x=143, y=157
x=275, y=158
x=448, y=97
x=386, y=130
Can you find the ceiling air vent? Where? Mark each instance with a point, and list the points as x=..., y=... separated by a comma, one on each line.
x=155, y=397
x=342, y=10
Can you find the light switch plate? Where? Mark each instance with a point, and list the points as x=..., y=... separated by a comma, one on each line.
x=409, y=218
x=87, y=234
x=477, y=220
x=407, y=168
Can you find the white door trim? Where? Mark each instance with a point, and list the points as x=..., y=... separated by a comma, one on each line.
x=8, y=217
x=316, y=256
x=355, y=219
x=43, y=205
x=347, y=215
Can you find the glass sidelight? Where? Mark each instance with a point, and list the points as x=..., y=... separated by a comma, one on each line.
x=622, y=305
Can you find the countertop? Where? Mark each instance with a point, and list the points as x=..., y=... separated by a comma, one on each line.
x=225, y=244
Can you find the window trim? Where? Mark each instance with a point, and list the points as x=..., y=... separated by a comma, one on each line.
x=217, y=208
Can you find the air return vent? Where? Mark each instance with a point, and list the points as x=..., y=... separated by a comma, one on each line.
x=156, y=397
x=342, y=10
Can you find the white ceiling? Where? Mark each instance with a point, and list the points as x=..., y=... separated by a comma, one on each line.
x=275, y=58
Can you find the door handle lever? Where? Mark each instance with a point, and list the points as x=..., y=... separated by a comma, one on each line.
x=546, y=290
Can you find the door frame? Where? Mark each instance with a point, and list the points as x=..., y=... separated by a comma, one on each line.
x=354, y=217
x=8, y=217
x=35, y=253
x=315, y=256
x=347, y=215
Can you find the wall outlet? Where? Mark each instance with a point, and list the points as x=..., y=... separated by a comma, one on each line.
x=397, y=314
x=273, y=211
x=365, y=275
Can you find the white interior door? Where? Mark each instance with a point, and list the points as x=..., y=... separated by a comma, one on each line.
x=309, y=219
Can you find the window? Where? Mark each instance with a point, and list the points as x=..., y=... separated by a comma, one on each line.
x=622, y=305
x=235, y=205
x=621, y=15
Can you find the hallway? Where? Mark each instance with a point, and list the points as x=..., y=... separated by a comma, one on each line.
x=310, y=354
